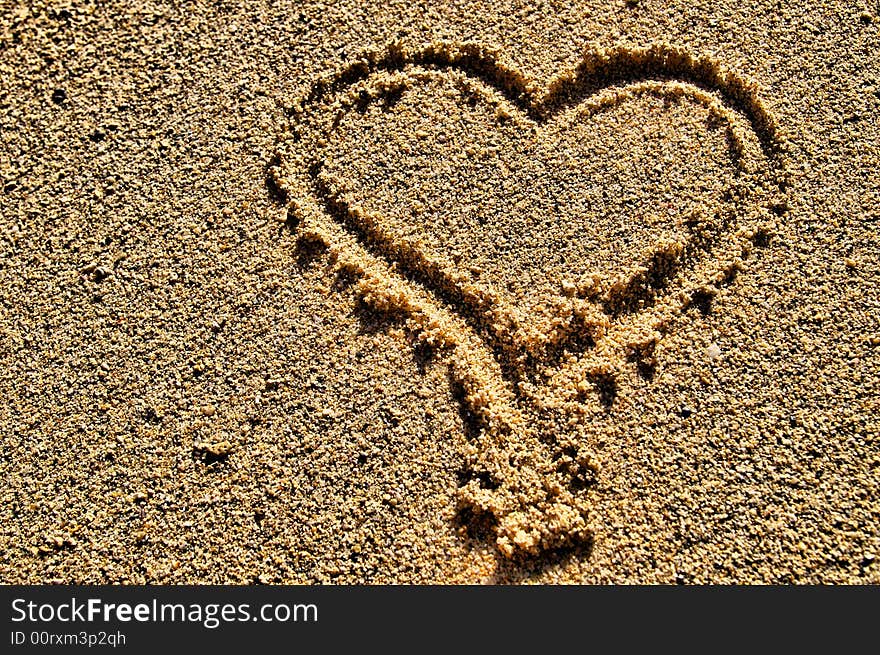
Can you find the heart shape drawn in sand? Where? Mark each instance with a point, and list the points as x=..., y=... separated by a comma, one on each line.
x=541, y=236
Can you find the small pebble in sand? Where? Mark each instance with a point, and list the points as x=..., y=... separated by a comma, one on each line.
x=55, y=540
x=217, y=450
x=713, y=351
x=208, y=410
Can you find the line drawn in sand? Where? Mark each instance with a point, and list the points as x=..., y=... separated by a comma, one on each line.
x=525, y=373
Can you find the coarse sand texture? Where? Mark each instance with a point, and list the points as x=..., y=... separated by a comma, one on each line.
x=386, y=293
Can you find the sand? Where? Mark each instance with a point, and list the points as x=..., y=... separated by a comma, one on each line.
x=575, y=292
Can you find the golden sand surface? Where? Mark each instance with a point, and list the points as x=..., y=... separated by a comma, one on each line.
x=443, y=292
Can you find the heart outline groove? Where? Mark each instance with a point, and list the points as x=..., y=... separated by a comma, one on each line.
x=522, y=382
